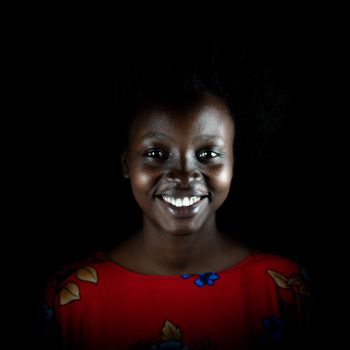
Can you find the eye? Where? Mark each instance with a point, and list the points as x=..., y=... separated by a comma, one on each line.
x=207, y=154
x=156, y=153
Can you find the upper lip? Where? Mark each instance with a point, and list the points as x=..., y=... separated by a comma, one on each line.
x=181, y=194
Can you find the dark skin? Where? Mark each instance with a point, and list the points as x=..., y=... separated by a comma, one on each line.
x=180, y=163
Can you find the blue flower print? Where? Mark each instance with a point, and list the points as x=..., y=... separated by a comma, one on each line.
x=47, y=319
x=273, y=327
x=207, y=278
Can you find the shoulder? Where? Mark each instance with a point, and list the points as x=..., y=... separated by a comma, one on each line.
x=265, y=261
x=65, y=291
x=66, y=284
x=280, y=271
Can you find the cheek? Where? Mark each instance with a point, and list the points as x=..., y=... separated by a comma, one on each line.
x=222, y=177
x=142, y=178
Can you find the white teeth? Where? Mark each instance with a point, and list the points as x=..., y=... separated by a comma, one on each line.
x=186, y=202
x=182, y=202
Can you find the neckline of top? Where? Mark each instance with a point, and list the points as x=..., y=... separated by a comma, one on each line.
x=229, y=269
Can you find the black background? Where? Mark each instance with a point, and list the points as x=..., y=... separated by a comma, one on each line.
x=69, y=178
x=73, y=172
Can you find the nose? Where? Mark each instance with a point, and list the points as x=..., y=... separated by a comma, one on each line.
x=183, y=172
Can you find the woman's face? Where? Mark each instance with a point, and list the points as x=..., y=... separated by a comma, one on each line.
x=180, y=162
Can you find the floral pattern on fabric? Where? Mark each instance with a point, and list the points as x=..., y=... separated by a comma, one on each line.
x=295, y=309
x=203, y=279
x=171, y=338
x=47, y=319
x=273, y=337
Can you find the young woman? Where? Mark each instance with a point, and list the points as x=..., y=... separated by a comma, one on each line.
x=179, y=282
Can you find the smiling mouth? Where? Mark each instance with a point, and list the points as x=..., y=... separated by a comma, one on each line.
x=181, y=202
x=183, y=207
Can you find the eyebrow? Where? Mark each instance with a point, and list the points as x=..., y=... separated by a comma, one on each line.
x=208, y=137
x=161, y=135
x=156, y=135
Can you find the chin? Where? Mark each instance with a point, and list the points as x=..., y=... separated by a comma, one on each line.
x=182, y=230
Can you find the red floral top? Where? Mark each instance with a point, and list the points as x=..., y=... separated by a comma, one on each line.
x=260, y=302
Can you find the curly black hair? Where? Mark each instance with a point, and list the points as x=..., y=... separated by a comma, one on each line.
x=175, y=70
x=183, y=69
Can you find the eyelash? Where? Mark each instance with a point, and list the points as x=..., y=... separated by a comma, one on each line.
x=162, y=155
x=212, y=153
x=154, y=152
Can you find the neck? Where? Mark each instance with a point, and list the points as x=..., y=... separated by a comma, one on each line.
x=172, y=253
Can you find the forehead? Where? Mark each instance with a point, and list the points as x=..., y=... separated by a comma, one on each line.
x=206, y=115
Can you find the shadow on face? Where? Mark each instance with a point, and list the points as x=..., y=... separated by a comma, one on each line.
x=180, y=161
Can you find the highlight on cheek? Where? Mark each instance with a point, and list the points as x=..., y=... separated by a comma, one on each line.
x=143, y=178
x=224, y=176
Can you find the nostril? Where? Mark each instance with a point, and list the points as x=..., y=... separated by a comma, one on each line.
x=183, y=177
x=196, y=175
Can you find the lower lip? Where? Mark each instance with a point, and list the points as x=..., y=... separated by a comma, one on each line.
x=184, y=212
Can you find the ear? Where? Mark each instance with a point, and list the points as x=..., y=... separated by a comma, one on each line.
x=124, y=164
